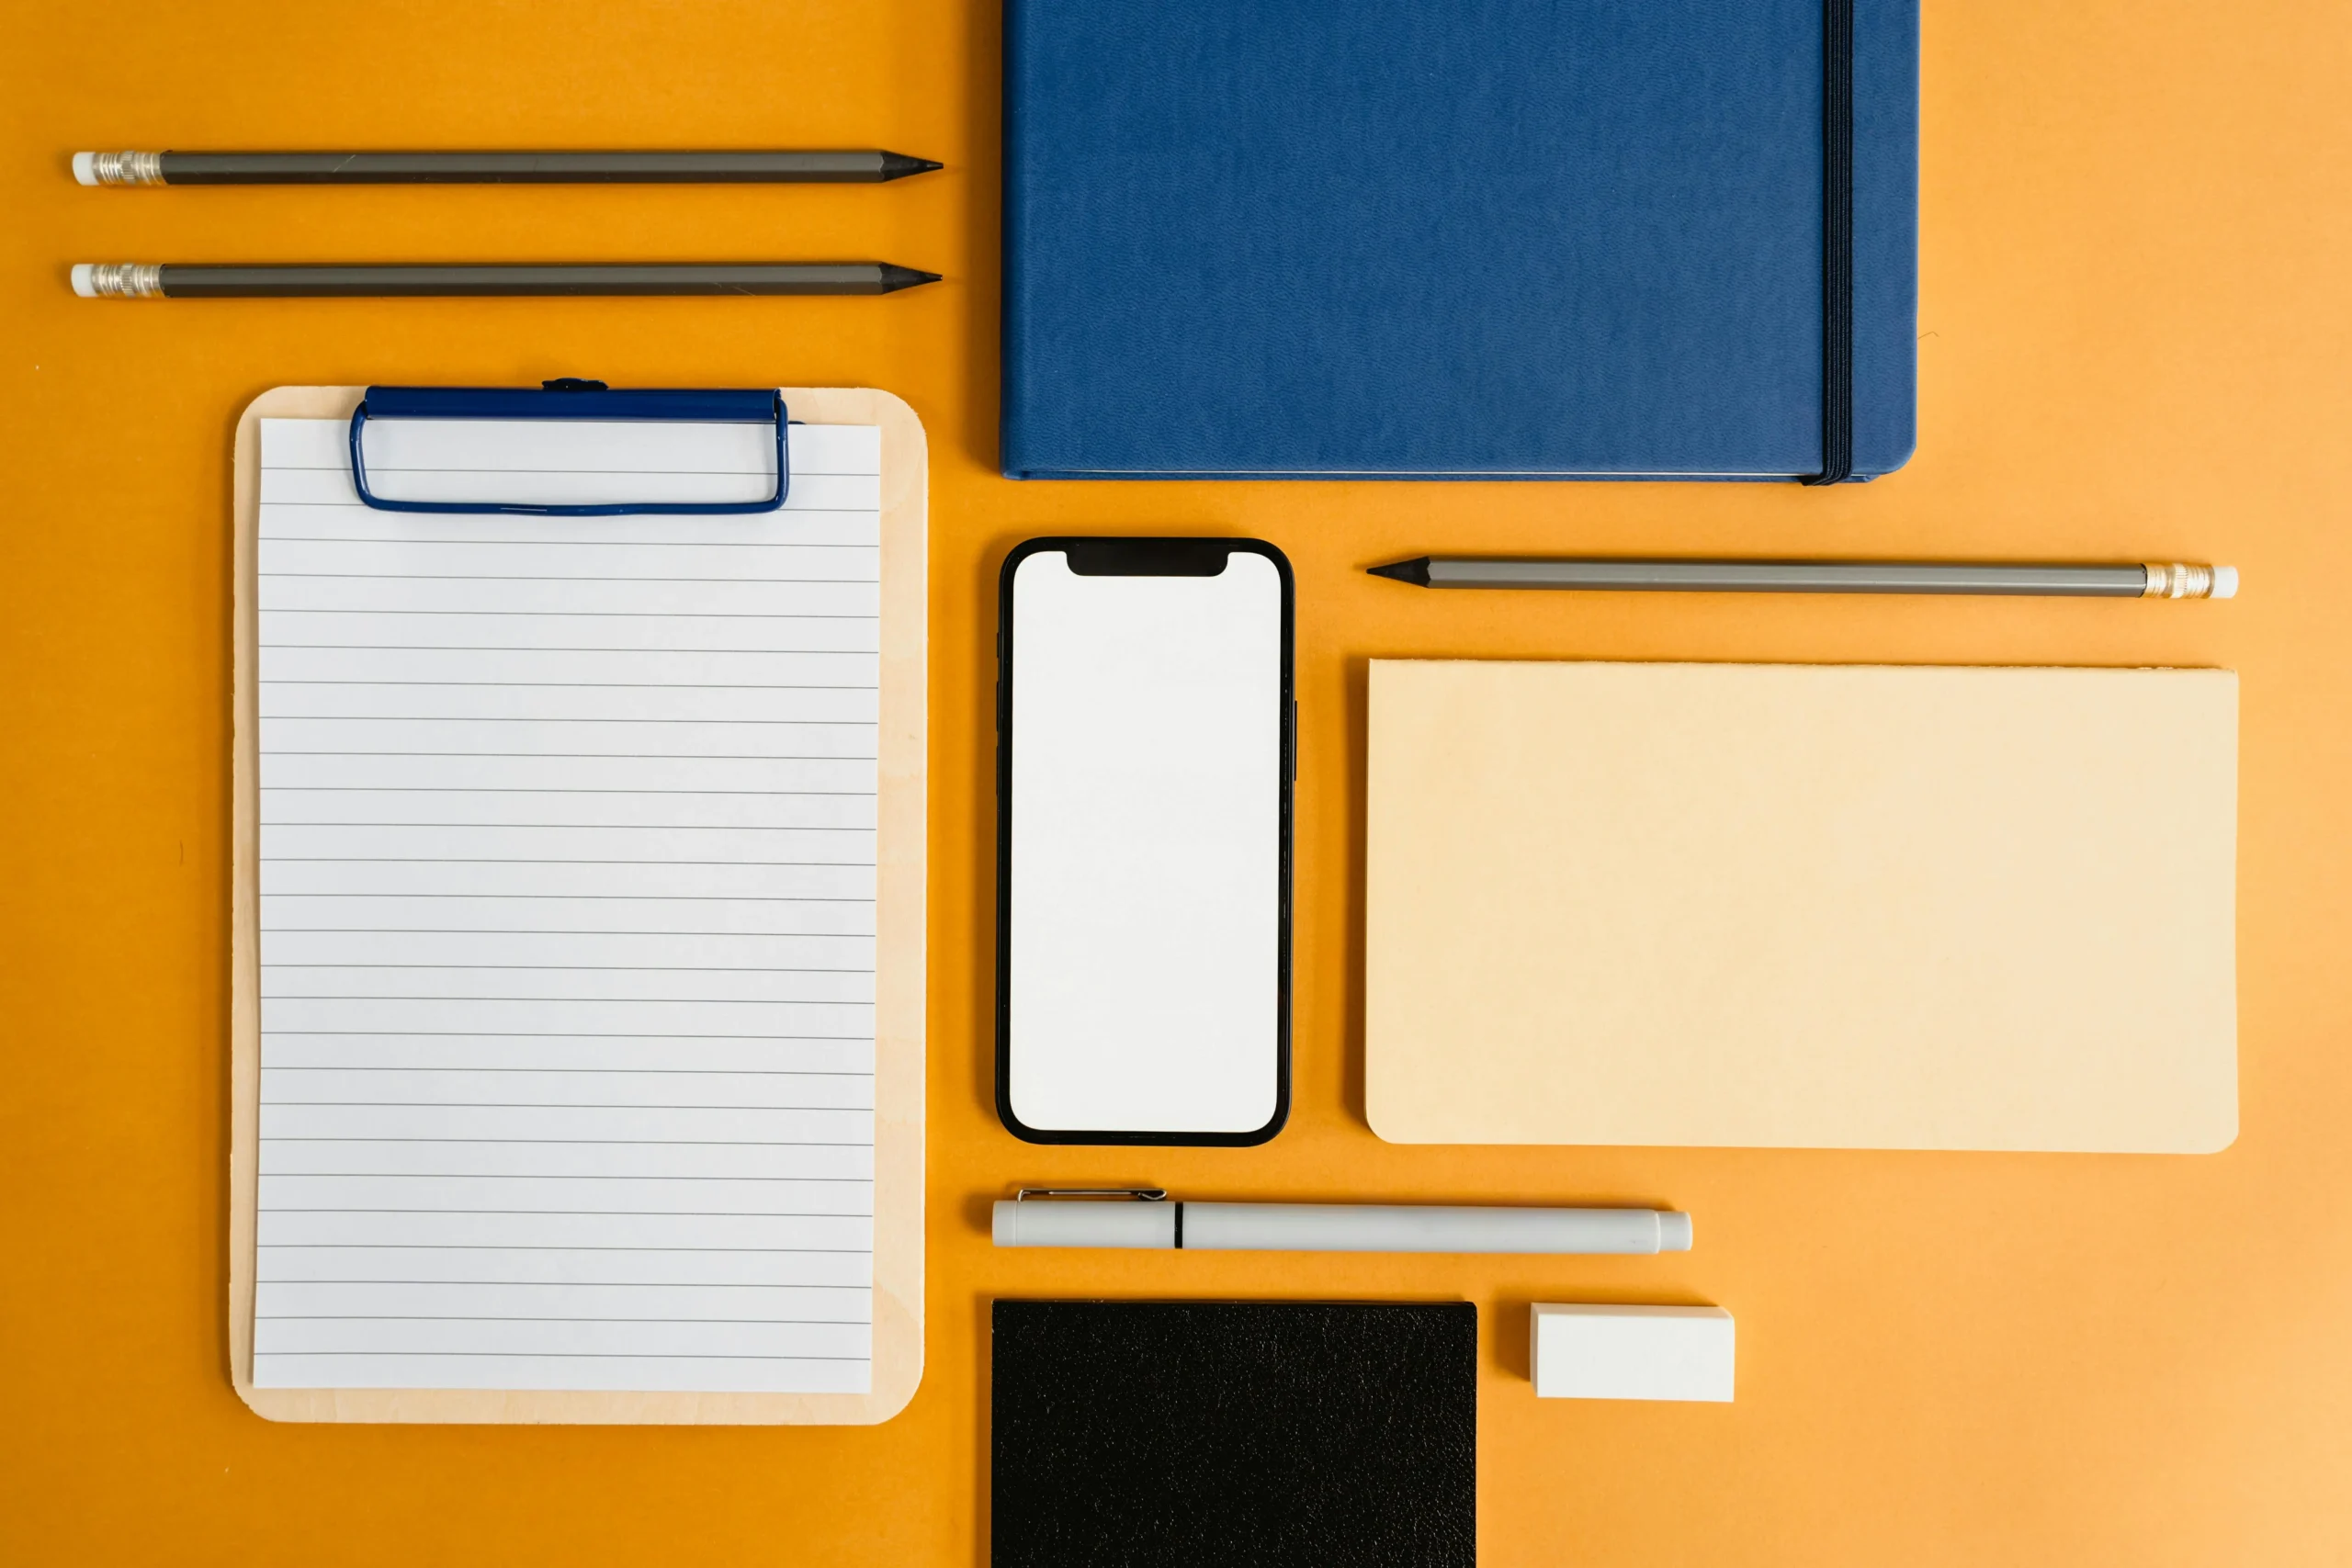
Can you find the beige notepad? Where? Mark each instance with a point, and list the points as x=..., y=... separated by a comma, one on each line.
x=1802, y=906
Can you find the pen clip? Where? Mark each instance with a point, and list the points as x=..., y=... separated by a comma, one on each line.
x=1140, y=1194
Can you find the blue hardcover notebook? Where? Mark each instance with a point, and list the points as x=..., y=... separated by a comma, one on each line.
x=1502, y=238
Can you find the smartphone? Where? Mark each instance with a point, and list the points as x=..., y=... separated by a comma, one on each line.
x=1147, y=743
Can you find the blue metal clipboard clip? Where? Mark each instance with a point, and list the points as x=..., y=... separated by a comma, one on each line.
x=571, y=398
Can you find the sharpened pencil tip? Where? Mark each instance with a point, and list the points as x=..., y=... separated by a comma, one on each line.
x=896, y=278
x=898, y=165
x=1415, y=571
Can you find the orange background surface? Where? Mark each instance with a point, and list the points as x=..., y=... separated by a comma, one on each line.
x=2136, y=282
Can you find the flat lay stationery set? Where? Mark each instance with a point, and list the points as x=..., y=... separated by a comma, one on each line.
x=581, y=777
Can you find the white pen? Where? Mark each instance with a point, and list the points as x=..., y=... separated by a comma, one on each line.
x=1149, y=1219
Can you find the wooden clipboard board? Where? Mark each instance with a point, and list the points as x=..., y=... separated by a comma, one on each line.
x=899, y=982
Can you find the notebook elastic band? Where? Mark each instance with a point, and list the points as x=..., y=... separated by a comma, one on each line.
x=1836, y=244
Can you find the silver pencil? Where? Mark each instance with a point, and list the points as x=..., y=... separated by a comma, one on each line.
x=2130, y=580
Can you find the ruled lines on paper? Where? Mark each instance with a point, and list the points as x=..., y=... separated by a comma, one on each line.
x=568, y=862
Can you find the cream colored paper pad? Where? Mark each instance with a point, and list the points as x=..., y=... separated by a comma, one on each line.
x=1798, y=905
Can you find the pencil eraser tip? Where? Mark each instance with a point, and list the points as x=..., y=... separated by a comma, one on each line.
x=83, y=283
x=85, y=168
x=1673, y=1231
x=2226, y=583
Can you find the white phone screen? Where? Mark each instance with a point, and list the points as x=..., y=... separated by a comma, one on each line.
x=1145, y=971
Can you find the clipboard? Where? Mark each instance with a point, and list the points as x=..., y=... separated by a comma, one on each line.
x=900, y=926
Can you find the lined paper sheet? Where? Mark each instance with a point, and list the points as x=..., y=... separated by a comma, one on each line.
x=567, y=912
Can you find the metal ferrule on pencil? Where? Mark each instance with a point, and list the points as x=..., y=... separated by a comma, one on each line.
x=2179, y=580
x=121, y=168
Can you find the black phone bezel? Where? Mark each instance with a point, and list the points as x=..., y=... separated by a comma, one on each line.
x=1140, y=555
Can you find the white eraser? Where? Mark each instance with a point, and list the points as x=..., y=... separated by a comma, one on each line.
x=82, y=283
x=2226, y=583
x=85, y=168
x=1631, y=1352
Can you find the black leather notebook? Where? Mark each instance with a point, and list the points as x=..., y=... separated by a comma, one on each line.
x=1154, y=1434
